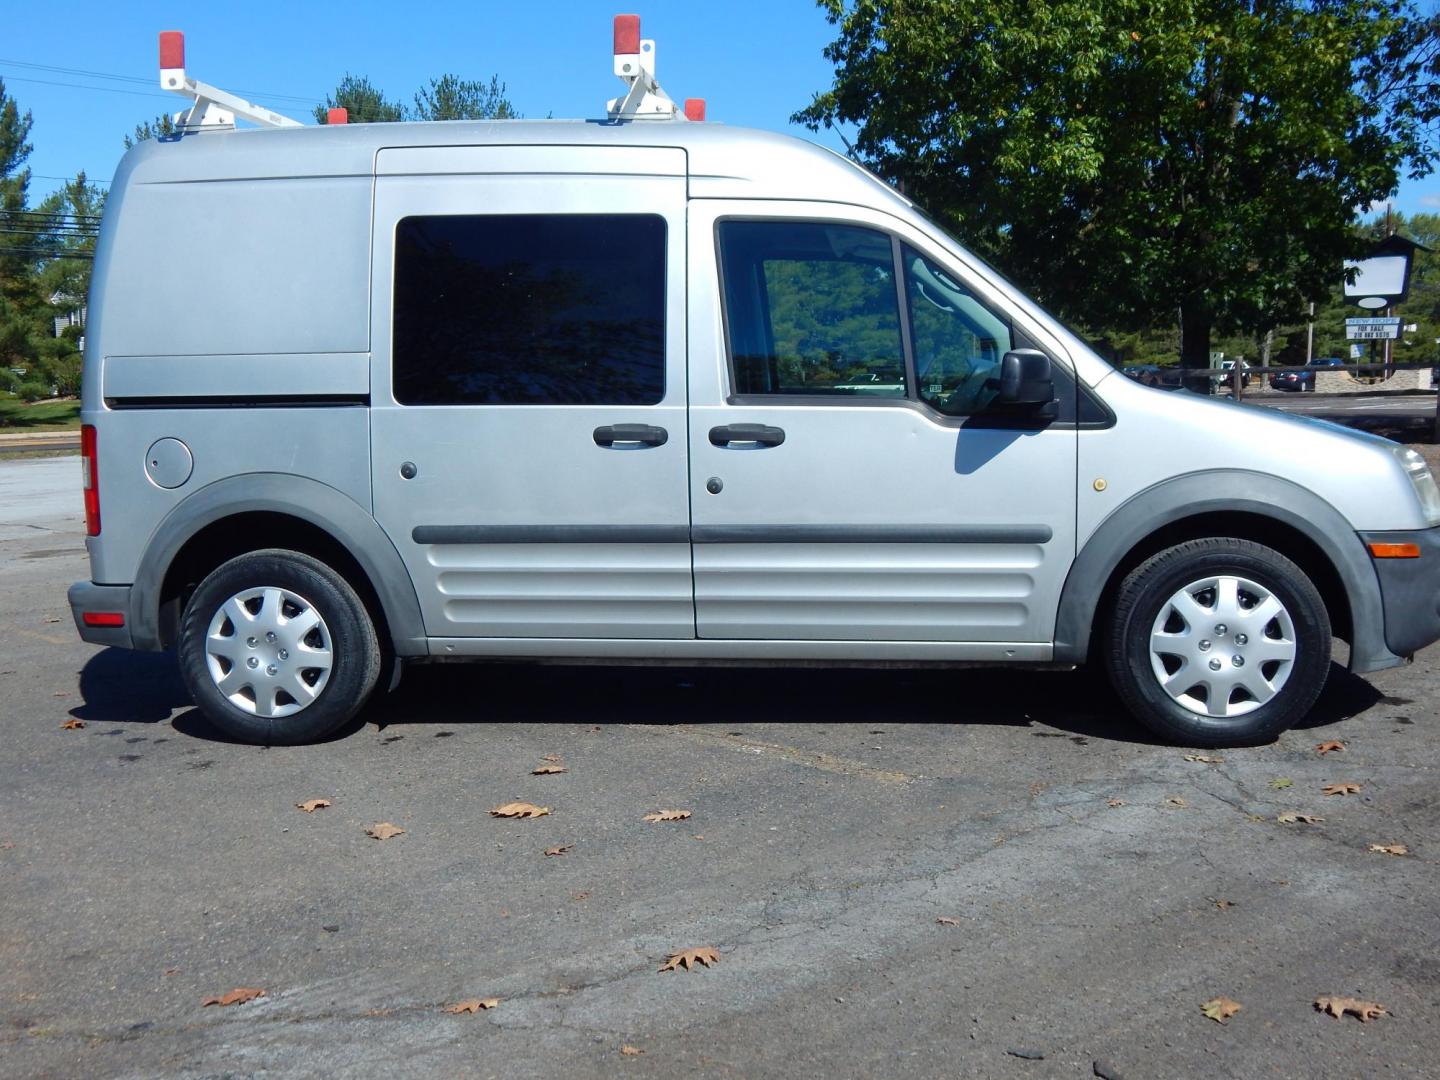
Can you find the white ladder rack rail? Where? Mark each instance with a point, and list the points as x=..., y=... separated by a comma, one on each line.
x=213, y=107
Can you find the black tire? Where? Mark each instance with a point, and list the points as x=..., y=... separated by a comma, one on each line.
x=1150, y=589
x=345, y=632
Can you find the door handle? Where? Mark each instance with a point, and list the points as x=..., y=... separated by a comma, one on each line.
x=643, y=434
x=760, y=435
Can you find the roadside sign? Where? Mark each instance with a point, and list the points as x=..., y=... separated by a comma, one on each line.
x=1372, y=329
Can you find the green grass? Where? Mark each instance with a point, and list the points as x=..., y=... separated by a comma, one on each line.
x=42, y=416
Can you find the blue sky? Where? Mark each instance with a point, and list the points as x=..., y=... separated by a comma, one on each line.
x=754, y=62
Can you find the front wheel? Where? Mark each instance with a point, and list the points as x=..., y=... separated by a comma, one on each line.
x=276, y=648
x=1218, y=642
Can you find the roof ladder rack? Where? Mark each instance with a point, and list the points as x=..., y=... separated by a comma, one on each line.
x=213, y=107
x=635, y=65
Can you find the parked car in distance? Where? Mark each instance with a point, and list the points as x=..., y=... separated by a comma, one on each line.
x=1303, y=380
x=1164, y=378
x=1229, y=366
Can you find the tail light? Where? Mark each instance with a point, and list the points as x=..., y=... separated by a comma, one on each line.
x=90, y=469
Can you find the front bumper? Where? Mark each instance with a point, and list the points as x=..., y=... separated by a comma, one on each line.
x=1409, y=590
x=86, y=596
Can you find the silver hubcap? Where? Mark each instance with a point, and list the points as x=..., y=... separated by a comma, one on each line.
x=268, y=651
x=1222, y=646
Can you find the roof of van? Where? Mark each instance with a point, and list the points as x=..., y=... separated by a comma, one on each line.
x=722, y=161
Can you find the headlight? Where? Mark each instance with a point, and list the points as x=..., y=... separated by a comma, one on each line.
x=1422, y=481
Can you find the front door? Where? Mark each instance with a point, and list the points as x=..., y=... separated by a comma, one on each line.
x=528, y=389
x=851, y=480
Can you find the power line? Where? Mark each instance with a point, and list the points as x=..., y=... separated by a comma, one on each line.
x=138, y=80
x=82, y=86
x=67, y=179
x=45, y=253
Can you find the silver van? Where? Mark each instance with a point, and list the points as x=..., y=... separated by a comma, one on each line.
x=359, y=396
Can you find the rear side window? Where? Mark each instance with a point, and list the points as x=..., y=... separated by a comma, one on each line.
x=530, y=310
x=812, y=308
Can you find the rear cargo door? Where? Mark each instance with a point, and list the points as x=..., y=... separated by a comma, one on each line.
x=529, y=436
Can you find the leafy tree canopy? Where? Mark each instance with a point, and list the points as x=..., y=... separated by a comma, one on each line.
x=452, y=98
x=447, y=98
x=364, y=103
x=1133, y=161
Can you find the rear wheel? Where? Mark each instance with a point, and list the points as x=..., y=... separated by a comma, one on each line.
x=1219, y=642
x=276, y=648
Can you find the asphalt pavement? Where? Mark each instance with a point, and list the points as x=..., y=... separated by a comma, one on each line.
x=929, y=874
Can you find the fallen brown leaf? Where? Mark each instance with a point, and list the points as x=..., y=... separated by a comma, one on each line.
x=1220, y=1009
x=558, y=850
x=72, y=725
x=384, y=831
x=688, y=958
x=520, y=810
x=1113, y=803
x=631, y=1051
x=1331, y=747
x=1292, y=817
x=1281, y=782
x=946, y=920
x=583, y=895
x=668, y=815
x=1337, y=1007
x=1342, y=789
x=1222, y=904
x=472, y=1005
x=238, y=996
x=550, y=757
x=1390, y=849
x=172, y=971
x=311, y=805
x=1204, y=760
x=546, y=770
x=1176, y=800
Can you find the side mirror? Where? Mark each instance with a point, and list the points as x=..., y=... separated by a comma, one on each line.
x=1025, y=379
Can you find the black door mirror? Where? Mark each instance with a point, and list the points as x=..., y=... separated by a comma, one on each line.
x=1025, y=379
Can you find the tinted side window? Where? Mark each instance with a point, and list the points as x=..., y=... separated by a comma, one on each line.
x=530, y=310
x=811, y=309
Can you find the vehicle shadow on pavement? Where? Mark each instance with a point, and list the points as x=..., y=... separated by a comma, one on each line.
x=117, y=686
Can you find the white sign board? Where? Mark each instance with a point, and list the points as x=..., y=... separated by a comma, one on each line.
x=1376, y=280
x=1372, y=329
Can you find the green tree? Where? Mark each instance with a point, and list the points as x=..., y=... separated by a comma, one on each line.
x=159, y=128
x=363, y=102
x=1138, y=163
x=452, y=98
x=26, y=235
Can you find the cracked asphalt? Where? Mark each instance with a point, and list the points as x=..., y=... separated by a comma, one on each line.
x=146, y=864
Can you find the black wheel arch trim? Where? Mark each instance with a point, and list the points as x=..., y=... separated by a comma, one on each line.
x=351, y=525
x=1241, y=491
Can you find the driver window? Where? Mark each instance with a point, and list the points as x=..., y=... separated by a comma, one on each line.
x=958, y=342
x=812, y=309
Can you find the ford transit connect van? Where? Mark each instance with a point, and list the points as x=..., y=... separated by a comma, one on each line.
x=359, y=396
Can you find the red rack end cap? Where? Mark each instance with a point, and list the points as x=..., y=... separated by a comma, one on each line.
x=694, y=108
x=172, y=49
x=627, y=35
x=337, y=116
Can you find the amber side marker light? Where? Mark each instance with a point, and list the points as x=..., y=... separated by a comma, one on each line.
x=1395, y=551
